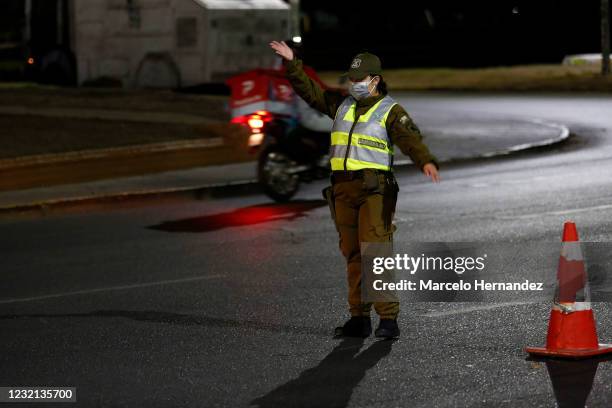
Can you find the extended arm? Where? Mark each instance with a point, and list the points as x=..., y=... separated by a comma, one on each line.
x=406, y=135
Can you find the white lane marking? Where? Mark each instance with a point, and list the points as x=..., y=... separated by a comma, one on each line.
x=560, y=212
x=107, y=289
x=477, y=308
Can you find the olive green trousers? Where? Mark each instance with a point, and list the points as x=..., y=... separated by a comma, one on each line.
x=359, y=218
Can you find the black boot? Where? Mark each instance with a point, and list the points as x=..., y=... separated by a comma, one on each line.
x=387, y=329
x=356, y=326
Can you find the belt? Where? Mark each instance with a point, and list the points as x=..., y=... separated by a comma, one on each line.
x=341, y=176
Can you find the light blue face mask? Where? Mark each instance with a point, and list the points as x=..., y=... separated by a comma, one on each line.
x=360, y=90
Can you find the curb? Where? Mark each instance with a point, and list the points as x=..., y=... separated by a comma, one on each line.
x=107, y=114
x=123, y=161
x=89, y=154
x=245, y=187
x=201, y=192
x=564, y=133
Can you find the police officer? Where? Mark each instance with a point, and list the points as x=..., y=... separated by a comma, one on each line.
x=364, y=192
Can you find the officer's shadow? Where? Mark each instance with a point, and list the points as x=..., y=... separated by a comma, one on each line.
x=331, y=382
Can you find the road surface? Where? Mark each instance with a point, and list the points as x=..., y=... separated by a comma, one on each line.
x=232, y=302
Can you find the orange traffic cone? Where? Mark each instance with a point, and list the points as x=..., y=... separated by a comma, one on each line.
x=571, y=328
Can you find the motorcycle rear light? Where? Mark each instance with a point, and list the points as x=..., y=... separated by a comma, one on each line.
x=256, y=139
x=255, y=122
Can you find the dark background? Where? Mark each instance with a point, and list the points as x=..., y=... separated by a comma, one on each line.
x=456, y=34
x=426, y=33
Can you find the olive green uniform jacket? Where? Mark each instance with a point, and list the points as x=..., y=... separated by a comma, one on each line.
x=400, y=127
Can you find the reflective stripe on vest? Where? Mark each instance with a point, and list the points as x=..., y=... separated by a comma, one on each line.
x=369, y=146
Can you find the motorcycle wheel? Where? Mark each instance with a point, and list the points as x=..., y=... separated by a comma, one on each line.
x=274, y=176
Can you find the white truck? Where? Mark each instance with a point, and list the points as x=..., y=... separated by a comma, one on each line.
x=152, y=43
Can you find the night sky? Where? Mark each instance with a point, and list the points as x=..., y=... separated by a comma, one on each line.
x=441, y=33
x=413, y=33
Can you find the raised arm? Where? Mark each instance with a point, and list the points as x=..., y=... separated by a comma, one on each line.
x=325, y=101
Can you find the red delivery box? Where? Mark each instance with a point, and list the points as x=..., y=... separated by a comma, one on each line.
x=264, y=90
x=260, y=90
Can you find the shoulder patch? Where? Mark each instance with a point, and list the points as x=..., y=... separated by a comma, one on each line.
x=404, y=120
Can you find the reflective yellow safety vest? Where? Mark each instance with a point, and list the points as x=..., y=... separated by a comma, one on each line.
x=362, y=144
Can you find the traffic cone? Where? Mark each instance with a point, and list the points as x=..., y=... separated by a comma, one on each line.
x=571, y=328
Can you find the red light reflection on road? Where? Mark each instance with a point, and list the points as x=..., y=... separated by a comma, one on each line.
x=252, y=215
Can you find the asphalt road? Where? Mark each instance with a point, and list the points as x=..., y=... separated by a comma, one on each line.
x=231, y=302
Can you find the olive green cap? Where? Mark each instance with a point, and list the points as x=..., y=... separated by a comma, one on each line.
x=364, y=64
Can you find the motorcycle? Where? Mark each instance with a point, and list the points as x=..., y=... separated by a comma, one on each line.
x=290, y=139
x=288, y=155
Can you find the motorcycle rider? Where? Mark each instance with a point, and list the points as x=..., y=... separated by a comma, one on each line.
x=364, y=191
